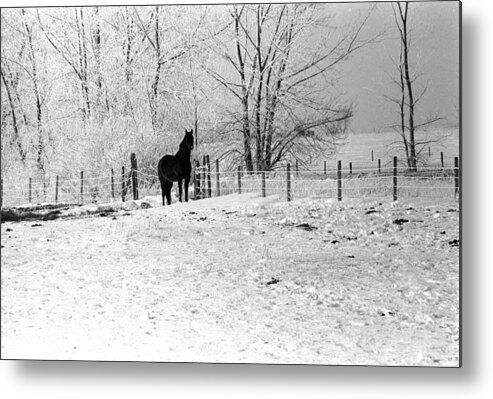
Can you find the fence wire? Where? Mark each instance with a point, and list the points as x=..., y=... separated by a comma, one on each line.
x=432, y=183
x=205, y=182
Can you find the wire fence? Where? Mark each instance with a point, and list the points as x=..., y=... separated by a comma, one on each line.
x=356, y=183
x=394, y=182
x=57, y=190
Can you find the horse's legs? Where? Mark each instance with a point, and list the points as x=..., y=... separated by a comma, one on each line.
x=163, y=189
x=180, y=188
x=167, y=191
x=187, y=181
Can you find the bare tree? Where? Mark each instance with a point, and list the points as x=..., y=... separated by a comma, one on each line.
x=165, y=55
x=407, y=100
x=72, y=51
x=284, y=80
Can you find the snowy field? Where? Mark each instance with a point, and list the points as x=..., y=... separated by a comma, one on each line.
x=238, y=278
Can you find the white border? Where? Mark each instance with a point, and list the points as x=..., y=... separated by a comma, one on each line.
x=473, y=380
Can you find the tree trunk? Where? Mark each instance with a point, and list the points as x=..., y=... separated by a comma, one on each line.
x=194, y=92
x=86, y=107
x=247, y=154
x=39, y=113
x=157, y=72
x=402, y=105
x=276, y=91
x=127, y=54
x=101, y=97
x=259, y=135
x=128, y=46
x=405, y=43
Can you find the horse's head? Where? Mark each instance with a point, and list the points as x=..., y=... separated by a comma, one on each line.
x=188, y=140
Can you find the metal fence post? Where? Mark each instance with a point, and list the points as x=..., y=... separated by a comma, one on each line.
x=196, y=188
x=203, y=177
x=112, y=184
x=133, y=175
x=218, y=185
x=339, y=181
x=82, y=187
x=456, y=178
x=288, y=181
x=123, y=184
x=239, y=179
x=44, y=187
x=395, y=179
x=209, y=183
x=263, y=183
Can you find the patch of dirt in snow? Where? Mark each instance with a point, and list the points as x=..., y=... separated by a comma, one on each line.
x=237, y=279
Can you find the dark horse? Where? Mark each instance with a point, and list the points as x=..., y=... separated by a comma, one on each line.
x=176, y=168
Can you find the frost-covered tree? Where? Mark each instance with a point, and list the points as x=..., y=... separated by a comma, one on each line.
x=278, y=67
x=409, y=96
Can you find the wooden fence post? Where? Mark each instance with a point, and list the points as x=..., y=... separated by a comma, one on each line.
x=218, y=185
x=372, y=155
x=339, y=181
x=209, y=183
x=325, y=167
x=56, y=190
x=350, y=168
x=429, y=152
x=239, y=179
x=288, y=181
x=395, y=179
x=297, y=168
x=82, y=187
x=123, y=184
x=379, y=166
x=30, y=195
x=456, y=179
x=441, y=158
x=133, y=174
x=263, y=183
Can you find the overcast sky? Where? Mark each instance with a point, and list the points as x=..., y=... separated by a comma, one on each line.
x=435, y=54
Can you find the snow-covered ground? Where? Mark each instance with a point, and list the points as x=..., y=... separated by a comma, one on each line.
x=238, y=278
